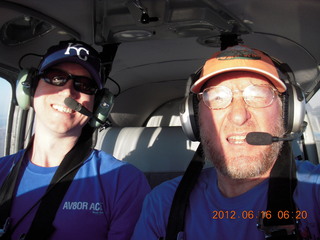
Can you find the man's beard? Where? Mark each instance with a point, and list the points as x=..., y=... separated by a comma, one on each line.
x=243, y=166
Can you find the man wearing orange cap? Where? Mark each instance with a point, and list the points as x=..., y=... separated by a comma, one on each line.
x=244, y=196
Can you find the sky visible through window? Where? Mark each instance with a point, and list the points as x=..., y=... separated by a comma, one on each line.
x=5, y=93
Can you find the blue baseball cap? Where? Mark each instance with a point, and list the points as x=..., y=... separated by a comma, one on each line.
x=75, y=52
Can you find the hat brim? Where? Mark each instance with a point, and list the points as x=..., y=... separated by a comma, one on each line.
x=277, y=82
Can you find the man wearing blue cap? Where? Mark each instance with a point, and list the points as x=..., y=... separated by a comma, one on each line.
x=103, y=198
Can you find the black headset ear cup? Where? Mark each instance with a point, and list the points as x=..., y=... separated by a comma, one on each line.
x=25, y=87
x=104, y=101
x=189, y=117
x=293, y=108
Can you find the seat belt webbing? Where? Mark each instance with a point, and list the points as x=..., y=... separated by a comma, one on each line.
x=181, y=198
x=41, y=227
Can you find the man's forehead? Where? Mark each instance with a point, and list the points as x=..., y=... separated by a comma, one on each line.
x=237, y=78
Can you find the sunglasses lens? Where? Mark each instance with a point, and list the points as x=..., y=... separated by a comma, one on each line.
x=55, y=77
x=85, y=85
x=59, y=78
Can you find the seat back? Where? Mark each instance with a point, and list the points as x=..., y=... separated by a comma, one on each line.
x=160, y=152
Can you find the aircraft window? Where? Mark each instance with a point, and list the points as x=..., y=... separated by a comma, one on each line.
x=23, y=29
x=166, y=115
x=6, y=95
x=313, y=110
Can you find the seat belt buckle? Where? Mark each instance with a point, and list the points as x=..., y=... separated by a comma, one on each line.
x=276, y=230
x=180, y=236
x=5, y=227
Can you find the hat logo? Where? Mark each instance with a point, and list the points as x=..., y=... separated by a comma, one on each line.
x=238, y=52
x=78, y=48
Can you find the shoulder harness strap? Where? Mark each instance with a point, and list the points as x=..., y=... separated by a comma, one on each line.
x=280, y=222
x=180, y=201
x=41, y=227
x=282, y=184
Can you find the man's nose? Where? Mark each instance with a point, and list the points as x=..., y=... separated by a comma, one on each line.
x=68, y=89
x=239, y=113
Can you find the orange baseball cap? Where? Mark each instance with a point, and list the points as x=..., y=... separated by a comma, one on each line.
x=239, y=58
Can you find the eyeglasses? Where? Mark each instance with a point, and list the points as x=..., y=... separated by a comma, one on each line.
x=257, y=96
x=57, y=77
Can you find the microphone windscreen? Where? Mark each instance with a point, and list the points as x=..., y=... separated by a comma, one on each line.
x=73, y=104
x=259, y=138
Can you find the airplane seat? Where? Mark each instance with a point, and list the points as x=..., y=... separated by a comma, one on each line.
x=161, y=153
x=160, y=149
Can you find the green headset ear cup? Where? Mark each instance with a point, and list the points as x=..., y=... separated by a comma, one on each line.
x=103, y=106
x=24, y=89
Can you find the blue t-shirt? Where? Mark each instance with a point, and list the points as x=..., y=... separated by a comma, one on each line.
x=103, y=202
x=210, y=215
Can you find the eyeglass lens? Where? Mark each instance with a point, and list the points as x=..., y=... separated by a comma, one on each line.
x=219, y=97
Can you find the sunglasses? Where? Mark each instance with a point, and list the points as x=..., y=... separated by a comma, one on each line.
x=57, y=77
x=220, y=97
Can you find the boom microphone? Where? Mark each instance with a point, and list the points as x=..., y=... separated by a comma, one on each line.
x=263, y=138
x=74, y=105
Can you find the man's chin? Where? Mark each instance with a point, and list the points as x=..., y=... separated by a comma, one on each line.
x=241, y=175
x=244, y=166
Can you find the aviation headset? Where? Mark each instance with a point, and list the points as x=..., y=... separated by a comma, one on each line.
x=28, y=80
x=293, y=104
